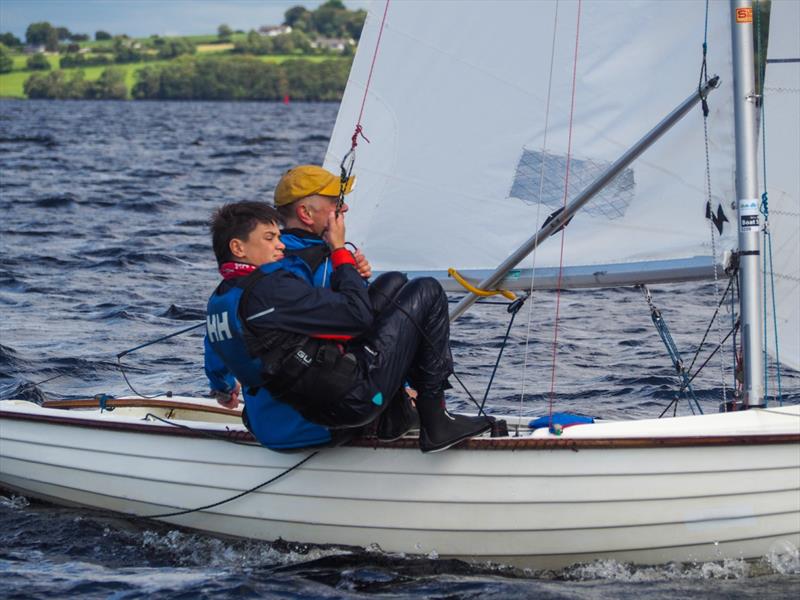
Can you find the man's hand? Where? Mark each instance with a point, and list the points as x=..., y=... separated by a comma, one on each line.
x=228, y=399
x=362, y=265
x=334, y=234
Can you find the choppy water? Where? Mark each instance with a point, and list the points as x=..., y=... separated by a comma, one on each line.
x=103, y=246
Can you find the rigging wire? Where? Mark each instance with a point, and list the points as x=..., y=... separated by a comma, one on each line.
x=538, y=216
x=168, y=393
x=563, y=230
x=709, y=196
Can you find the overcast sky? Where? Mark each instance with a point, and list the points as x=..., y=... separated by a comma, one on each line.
x=142, y=18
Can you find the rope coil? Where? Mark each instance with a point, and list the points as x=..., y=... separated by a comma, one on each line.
x=476, y=290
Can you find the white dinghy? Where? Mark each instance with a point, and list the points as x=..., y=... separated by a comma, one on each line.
x=464, y=127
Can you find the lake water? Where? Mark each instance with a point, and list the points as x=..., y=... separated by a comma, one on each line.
x=103, y=246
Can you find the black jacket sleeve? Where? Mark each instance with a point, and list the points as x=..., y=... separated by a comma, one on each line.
x=284, y=301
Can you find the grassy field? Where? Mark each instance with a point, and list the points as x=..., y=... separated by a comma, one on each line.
x=196, y=39
x=20, y=61
x=11, y=84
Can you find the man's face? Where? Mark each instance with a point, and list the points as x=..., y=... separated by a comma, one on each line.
x=261, y=247
x=319, y=207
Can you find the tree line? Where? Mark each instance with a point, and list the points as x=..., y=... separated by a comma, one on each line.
x=207, y=78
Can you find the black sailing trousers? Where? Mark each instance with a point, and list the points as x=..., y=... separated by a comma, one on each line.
x=409, y=342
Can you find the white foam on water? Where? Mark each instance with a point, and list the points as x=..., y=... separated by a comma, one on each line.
x=613, y=570
x=14, y=502
x=784, y=558
x=201, y=550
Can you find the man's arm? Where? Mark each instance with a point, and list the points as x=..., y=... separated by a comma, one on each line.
x=283, y=301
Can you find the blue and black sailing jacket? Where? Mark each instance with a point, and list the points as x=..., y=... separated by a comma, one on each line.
x=286, y=300
x=315, y=253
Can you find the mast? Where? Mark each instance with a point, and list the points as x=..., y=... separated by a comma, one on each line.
x=745, y=115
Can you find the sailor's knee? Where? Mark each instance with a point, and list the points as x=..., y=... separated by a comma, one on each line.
x=431, y=288
x=383, y=290
x=427, y=285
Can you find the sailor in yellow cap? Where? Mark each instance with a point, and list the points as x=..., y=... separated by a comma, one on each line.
x=304, y=197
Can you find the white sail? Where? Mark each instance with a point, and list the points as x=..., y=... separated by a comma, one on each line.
x=467, y=157
x=782, y=130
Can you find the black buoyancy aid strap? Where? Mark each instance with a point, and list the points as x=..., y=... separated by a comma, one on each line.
x=284, y=359
x=313, y=256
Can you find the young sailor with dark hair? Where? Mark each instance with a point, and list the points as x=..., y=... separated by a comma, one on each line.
x=315, y=361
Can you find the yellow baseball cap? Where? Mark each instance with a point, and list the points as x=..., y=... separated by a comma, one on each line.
x=308, y=180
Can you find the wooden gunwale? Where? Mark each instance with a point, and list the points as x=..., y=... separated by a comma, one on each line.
x=473, y=444
x=141, y=403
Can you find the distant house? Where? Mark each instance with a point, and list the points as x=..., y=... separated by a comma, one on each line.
x=273, y=30
x=34, y=49
x=332, y=44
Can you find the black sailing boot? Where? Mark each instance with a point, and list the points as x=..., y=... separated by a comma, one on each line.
x=439, y=429
x=398, y=419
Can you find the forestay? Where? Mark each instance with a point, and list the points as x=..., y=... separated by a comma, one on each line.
x=782, y=130
x=467, y=158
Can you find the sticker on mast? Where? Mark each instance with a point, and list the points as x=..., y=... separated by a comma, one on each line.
x=748, y=215
x=744, y=15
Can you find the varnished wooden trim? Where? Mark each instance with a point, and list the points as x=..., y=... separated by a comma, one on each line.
x=141, y=403
x=473, y=444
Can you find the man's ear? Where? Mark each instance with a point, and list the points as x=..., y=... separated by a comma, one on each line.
x=303, y=213
x=236, y=246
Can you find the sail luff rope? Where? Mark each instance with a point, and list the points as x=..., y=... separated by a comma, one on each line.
x=563, y=230
x=709, y=197
x=538, y=216
x=764, y=209
x=349, y=159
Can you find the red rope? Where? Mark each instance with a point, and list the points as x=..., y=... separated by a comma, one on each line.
x=564, y=229
x=358, y=130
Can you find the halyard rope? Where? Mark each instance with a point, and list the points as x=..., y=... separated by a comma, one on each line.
x=538, y=216
x=349, y=159
x=709, y=212
x=563, y=230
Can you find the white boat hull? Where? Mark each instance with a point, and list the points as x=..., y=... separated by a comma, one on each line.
x=522, y=501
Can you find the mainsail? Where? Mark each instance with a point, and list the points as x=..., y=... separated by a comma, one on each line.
x=468, y=117
x=782, y=131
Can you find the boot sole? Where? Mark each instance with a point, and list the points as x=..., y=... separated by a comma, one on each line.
x=399, y=437
x=445, y=446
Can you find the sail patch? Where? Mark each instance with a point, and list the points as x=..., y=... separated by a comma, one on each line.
x=533, y=183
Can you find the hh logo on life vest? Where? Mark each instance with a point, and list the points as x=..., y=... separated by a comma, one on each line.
x=217, y=327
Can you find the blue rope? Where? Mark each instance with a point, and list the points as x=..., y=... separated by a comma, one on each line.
x=764, y=303
x=677, y=360
x=768, y=239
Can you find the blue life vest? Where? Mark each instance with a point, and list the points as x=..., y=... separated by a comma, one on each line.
x=315, y=249
x=275, y=424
